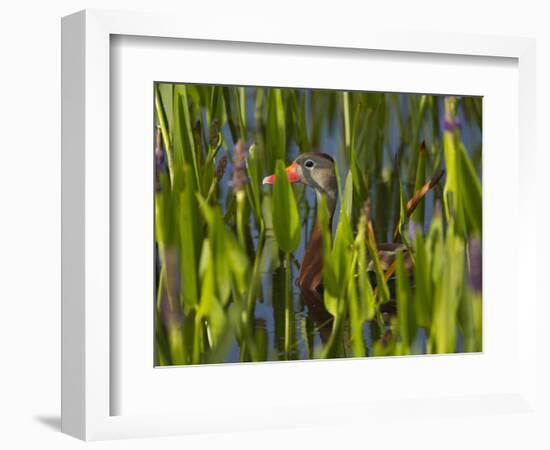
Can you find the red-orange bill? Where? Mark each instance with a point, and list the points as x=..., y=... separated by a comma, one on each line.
x=291, y=172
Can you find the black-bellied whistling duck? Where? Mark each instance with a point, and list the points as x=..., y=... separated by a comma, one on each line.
x=317, y=171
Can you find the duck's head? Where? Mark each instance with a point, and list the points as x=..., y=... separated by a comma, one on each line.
x=315, y=170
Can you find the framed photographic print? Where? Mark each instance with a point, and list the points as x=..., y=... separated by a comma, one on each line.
x=248, y=274
x=254, y=221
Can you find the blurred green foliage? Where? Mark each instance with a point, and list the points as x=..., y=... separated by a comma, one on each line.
x=228, y=246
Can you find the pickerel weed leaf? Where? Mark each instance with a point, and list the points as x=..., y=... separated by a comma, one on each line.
x=470, y=191
x=276, y=127
x=286, y=219
x=407, y=314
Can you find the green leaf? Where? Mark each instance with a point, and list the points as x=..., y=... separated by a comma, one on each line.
x=253, y=188
x=229, y=113
x=359, y=181
x=276, y=126
x=471, y=190
x=347, y=200
x=406, y=316
x=286, y=219
x=418, y=214
x=210, y=308
x=239, y=95
x=366, y=293
x=190, y=237
x=341, y=254
x=448, y=276
x=423, y=290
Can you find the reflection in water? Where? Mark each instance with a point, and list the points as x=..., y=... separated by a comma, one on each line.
x=322, y=319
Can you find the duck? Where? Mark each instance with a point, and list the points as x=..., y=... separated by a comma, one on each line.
x=317, y=171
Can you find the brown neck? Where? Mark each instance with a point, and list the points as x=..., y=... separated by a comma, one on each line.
x=311, y=269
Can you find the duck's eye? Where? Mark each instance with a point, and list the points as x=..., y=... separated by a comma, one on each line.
x=309, y=164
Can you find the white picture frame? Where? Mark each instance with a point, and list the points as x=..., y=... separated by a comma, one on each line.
x=88, y=387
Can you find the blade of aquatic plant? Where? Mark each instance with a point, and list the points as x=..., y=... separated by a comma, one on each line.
x=239, y=182
x=407, y=209
x=270, y=253
x=467, y=322
x=162, y=345
x=447, y=293
x=336, y=268
x=356, y=130
x=298, y=109
x=220, y=245
x=402, y=212
x=210, y=311
x=254, y=186
x=417, y=107
x=330, y=276
x=356, y=314
x=478, y=320
x=168, y=324
x=276, y=127
x=255, y=201
x=171, y=311
x=198, y=140
x=341, y=254
x=163, y=124
x=261, y=340
x=332, y=347
x=471, y=190
x=230, y=265
x=166, y=92
x=423, y=285
x=286, y=223
x=277, y=286
x=190, y=235
x=315, y=98
x=366, y=293
x=359, y=180
x=418, y=214
x=435, y=252
x=194, y=95
x=184, y=144
x=347, y=122
x=260, y=127
x=255, y=281
x=406, y=312
x=394, y=100
x=381, y=285
x=337, y=274
x=229, y=113
x=239, y=96
x=289, y=312
x=451, y=191
x=469, y=311
x=216, y=110
x=213, y=177
x=463, y=188
x=347, y=199
x=286, y=219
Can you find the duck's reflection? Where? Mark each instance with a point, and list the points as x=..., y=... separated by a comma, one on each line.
x=322, y=319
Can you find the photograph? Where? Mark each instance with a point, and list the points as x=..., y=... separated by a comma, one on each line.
x=307, y=224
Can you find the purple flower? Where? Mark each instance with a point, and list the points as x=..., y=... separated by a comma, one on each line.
x=239, y=167
x=476, y=266
x=450, y=124
x=160, y=159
